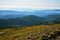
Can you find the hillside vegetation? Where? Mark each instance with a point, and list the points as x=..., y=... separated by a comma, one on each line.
x=37, y=32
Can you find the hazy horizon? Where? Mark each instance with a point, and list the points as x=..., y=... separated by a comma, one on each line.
x=29, y=4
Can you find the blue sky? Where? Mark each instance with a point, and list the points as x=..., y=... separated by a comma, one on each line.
x=31, y=4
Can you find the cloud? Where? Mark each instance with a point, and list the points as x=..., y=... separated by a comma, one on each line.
x=29, y=4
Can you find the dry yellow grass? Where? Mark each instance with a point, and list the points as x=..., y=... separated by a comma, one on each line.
x=28, y=33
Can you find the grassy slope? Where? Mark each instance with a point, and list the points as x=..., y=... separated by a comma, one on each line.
x=28, y=33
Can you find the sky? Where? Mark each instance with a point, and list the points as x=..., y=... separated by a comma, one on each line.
x=29, y=4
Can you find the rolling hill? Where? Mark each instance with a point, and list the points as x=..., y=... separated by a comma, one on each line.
x=40, y=32
x=5, y=14
x=24, y=21
x=36, y=26
x=28, y=18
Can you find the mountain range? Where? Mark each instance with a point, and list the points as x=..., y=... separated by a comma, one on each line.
x=18, y=19
x=5, y=14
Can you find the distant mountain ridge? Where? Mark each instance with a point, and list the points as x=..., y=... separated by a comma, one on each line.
x=22, y=19
x=5, y=14
x=19, y=22
x=13, y=14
